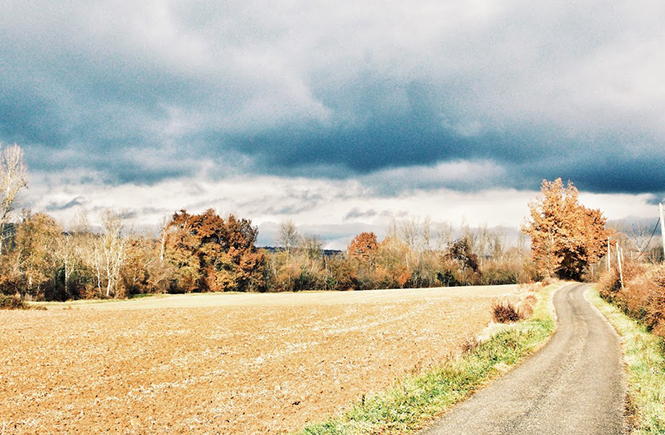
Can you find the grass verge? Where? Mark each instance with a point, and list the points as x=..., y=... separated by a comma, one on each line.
x=417, y=399
x=645, y=364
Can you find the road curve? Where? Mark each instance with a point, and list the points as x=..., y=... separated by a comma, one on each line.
x=574, y=385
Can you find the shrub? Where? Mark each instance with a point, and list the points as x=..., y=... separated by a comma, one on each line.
x=11, y=303
x=497, y=276
x=505, y=312
x=642, y=297
x=525, y=306
x=609, y=284
x=343, y=276
x=448, y=279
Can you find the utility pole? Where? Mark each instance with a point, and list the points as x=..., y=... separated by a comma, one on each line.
x=619, y=260
x=609, y=253
x=662, y=227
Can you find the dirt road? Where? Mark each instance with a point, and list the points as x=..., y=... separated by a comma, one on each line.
x=574, y=385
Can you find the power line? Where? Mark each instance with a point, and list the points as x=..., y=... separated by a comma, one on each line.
x=650, y=238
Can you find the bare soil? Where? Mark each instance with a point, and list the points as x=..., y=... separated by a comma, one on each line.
x=223, y=364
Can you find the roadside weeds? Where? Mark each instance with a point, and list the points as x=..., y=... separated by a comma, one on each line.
x=417, y=399
x=645, y=366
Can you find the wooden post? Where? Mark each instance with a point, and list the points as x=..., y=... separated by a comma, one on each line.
x=619, y=259
x=662, y=227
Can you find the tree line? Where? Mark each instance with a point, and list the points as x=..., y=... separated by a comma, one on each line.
x=207, y=252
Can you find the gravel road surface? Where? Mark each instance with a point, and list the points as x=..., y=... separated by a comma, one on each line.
x=574, y=385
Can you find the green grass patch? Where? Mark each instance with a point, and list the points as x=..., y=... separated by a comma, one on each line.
x=645, y=363
x=415, y=400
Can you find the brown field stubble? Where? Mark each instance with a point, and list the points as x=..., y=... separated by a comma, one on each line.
x=246, y=368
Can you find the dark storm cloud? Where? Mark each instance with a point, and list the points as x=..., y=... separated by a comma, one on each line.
x=389, y=137
x=356, y=213
x=79, y=200
x=605, y=170
x=164, y=89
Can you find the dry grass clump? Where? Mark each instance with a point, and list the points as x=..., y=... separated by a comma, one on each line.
x=469, y=344
x=505, y=312
x=518, y=308
x=525, y=306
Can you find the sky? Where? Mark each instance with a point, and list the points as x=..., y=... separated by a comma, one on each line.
x=340, y=116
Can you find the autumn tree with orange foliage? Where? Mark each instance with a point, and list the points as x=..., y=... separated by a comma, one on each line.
x=364, y=247
x=566, y=237
x=211, y=253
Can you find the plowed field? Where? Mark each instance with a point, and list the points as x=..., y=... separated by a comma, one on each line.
x=238, y=364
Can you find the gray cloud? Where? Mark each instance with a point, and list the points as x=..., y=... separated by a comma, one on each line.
x=75, y=202
x=355, y=213
x=140, y=93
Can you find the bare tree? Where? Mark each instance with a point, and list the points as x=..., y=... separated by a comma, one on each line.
x=111, y=247
x=165, y=226
x=497, y=245
x=427, y=233
x=288, y=237
x=97, y=259
x=483, y=242
x=13, y=174
x=410, y=232
x=393, y=232
x=444, y=235
x=68, y=250
x=66, y=253
x=522, y=248
x=312, y=246
x=638, y=235
x=80, y=223
x=86, y=247
x=469, y=235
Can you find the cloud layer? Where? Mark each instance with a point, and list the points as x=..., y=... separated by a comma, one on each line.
x=554, y=88
x=335, y=210
x=400, y=97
